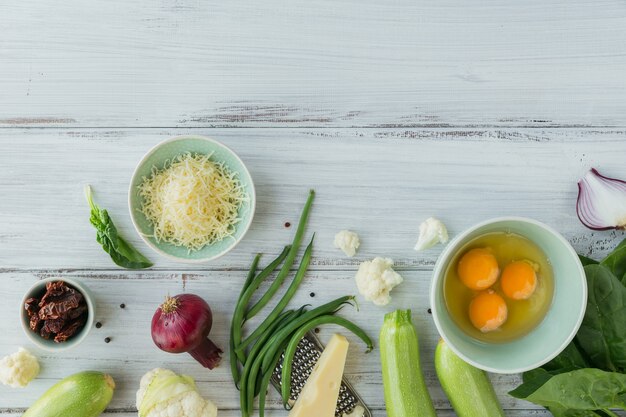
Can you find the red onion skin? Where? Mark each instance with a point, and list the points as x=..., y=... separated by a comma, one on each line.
x=207, y=354
x=182, y=324
x=580, y=202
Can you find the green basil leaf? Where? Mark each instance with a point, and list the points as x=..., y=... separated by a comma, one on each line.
x=121, y=252
x=132, y=258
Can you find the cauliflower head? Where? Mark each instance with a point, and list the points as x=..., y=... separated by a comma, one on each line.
x=347, y=241
x=163, y=393
x=18, y=369
x=376, y=278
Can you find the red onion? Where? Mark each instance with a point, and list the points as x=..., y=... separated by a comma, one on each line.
x=601, y=201
x=182, y=324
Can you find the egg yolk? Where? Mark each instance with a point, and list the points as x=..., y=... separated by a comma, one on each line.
x=519, y=280
x=478, y=269
x=488, y=311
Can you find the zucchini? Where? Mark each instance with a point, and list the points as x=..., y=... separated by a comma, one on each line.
x=85, y=394
x=405, y=390
x=468, y=388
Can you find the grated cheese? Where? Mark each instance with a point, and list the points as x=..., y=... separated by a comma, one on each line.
x=192, y=201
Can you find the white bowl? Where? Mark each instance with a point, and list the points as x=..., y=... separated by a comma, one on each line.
x=37, y=290
x=558, y=327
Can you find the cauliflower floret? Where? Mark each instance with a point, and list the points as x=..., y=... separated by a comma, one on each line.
x=375, y=279
x=18, y=369
x=175, y=396
x=190, y=404
x=432, y=231
x=147, y=379
x=347, y=241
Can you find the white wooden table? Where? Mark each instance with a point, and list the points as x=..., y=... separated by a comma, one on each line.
x=392, y=110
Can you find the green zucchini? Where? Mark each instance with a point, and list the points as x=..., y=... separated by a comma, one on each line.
x=468, y=388
x=405, y=390
x=85, y=394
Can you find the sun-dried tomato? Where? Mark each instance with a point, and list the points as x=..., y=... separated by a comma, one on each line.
x=55, y=325
x=45, y=333
x=60, y=306
x=53, y=288
x=31, y=306
x=70, y=330
x=77, y=312
x=60, y=313
x=35, y=323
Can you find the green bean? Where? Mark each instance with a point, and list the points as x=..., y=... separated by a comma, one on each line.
x=265, y=381
x=253, y=364
x=300, y=333
x=302, y=323
x=261, y=342
x=251, y=273
x=245, y=298
x=284, y=318
x=234, y=365
x=253, y=370
x=234, y=361
x=297, y=280
x=284, y=271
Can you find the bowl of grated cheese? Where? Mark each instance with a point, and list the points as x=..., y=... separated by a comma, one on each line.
x=191, y=199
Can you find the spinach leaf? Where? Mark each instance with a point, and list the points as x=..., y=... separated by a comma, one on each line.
x=570, y=393
x=602, y=335
x=587, y=261
x=616, y=261
x=120, y=251
x=569, y=386
x=570, y=359
x=533, y=380
x=563, y=412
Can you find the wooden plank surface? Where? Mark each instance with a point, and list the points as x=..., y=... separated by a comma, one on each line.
x=346, y=63
x=392, y=111
x=382, y=183
x=379, y=182
x=131, y=352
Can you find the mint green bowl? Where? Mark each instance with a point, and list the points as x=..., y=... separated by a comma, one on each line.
x=556, y=330
x=168, y=150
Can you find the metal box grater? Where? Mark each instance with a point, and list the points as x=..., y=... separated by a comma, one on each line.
x=309, y=351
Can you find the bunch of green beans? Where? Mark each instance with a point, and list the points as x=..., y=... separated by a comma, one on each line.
x=254, y=358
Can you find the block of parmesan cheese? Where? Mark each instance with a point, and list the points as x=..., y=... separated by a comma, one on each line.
x=321, y=391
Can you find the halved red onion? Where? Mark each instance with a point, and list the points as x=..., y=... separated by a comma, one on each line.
x=601, y=203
